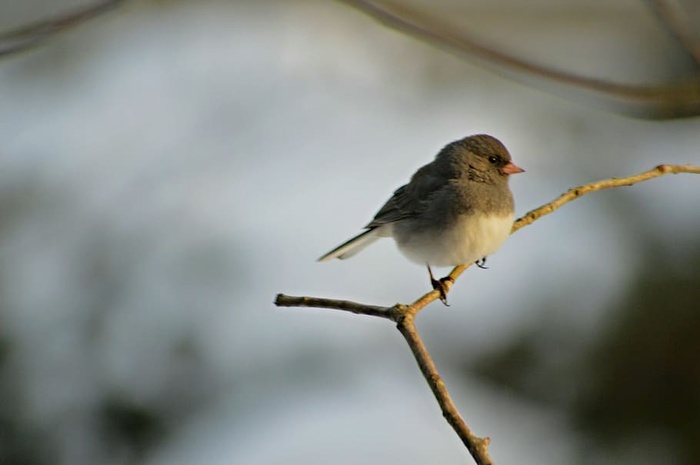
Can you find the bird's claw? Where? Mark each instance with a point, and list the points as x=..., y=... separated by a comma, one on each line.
x=481, y=263
x=439, y=285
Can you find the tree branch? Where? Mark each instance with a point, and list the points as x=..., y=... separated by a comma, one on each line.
x=678, y=24
x=32, y=35
x=360, y=309
x=584, y=189
x=662, y=101
x=478, y=447
x=404, y=315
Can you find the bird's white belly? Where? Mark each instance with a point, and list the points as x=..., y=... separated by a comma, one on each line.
x=471, y=238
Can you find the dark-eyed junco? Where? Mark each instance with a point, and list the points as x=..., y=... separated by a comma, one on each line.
x=457, y=209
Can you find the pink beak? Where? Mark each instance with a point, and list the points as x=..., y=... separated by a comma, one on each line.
x=512, y=168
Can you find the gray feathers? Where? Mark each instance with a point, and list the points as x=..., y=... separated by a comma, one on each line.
x=466, y=183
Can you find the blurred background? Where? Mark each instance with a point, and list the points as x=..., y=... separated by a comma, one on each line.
x=167, y=168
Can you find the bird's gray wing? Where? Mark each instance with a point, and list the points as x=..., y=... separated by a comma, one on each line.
x=412, y=199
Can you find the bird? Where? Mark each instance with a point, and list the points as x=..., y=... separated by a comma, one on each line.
x=455, y=210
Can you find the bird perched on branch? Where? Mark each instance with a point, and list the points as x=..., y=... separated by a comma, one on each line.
x=457, y=209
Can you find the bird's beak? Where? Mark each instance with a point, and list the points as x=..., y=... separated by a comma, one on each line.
x=512, y=168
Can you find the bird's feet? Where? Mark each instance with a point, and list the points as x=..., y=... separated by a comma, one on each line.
x=481, y=263
x=439, y=285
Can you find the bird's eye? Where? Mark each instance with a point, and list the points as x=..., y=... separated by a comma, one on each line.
x=493, y=160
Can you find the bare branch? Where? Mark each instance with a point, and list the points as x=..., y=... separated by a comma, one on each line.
x=478, y=447
x=404, y=315
x=32, y=35
x=663, y=101
x=584, y=189
x=677, y=24
x=361, y=309
x=576, y=192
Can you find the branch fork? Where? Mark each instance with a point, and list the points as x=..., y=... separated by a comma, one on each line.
x=404, y=315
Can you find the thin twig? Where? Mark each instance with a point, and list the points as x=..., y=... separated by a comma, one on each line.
x=404, y=315
x=584, y=189
x=361, y=309
x=663, y=101
x=29, y=36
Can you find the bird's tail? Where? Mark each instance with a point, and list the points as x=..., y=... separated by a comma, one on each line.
x=354, y=245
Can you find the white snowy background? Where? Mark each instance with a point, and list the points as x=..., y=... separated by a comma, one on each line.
x=168, y=168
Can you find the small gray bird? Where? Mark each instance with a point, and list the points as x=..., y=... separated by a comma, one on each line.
x=457, y=209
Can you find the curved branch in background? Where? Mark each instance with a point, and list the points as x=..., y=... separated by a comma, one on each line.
x=664, y=101
x=404, y=315
x=32, y=35
x=677, y=23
